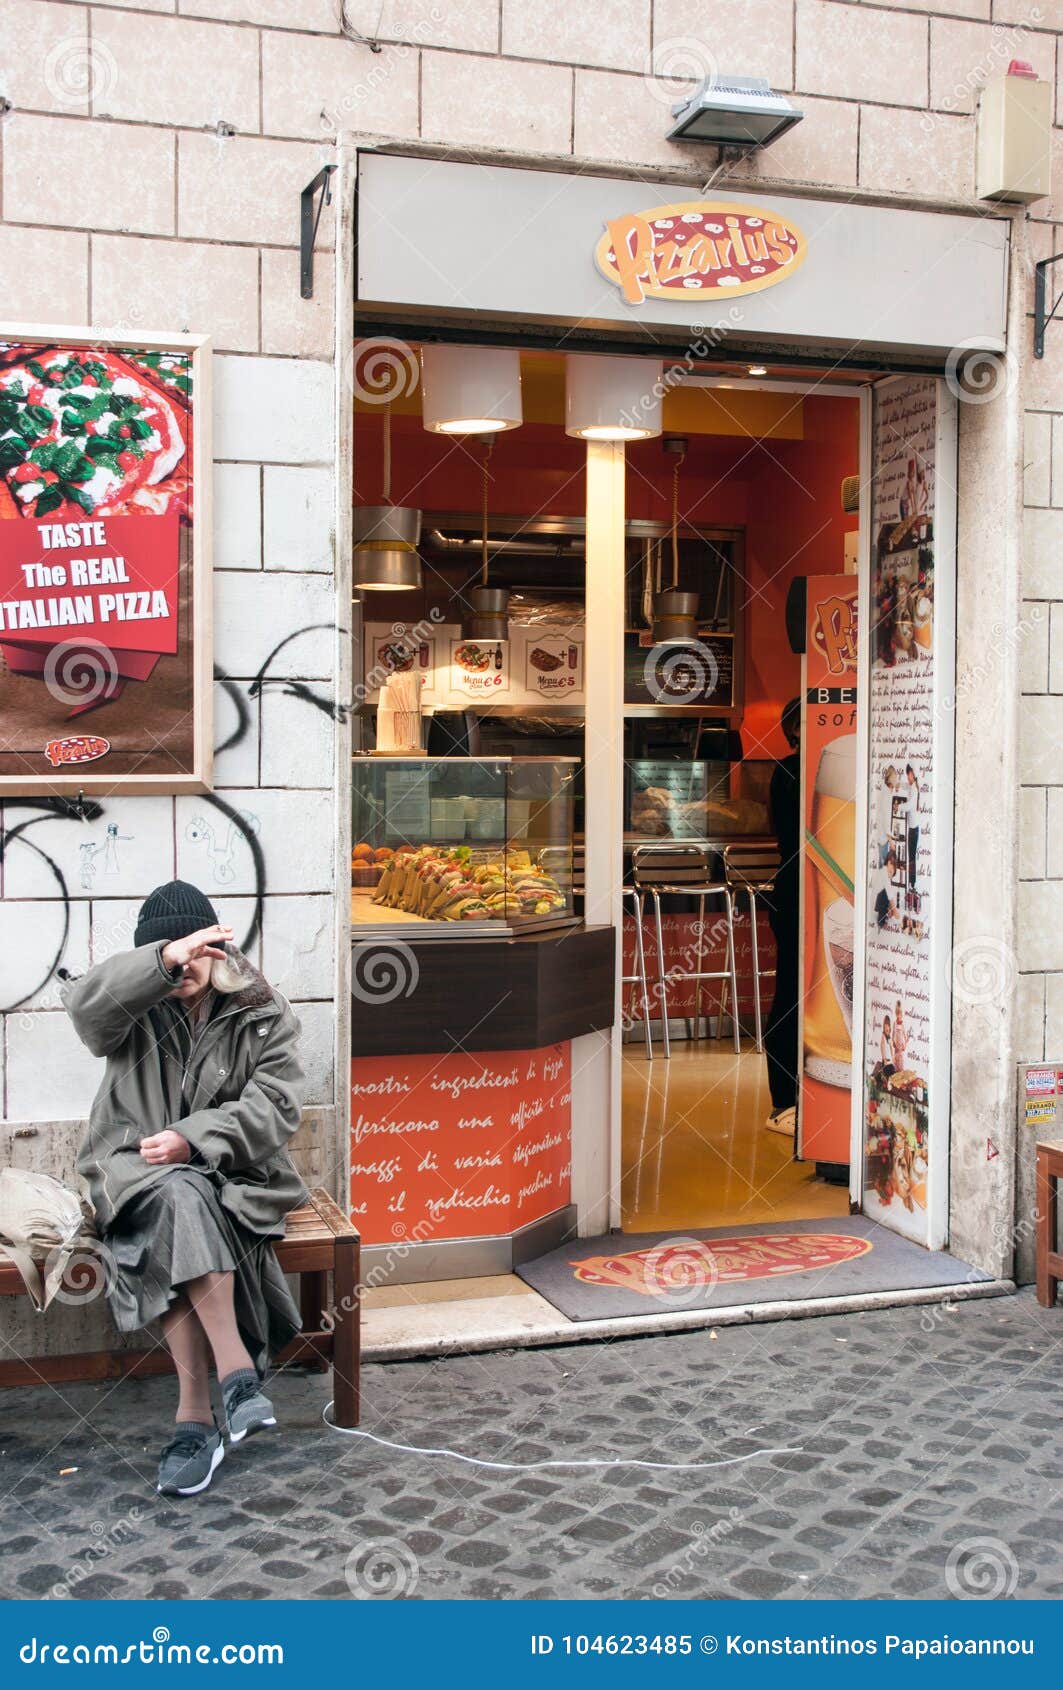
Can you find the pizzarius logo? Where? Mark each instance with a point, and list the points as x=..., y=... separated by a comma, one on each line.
x=699, y=247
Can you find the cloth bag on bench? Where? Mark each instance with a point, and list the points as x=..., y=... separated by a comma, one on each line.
x=43, y=1225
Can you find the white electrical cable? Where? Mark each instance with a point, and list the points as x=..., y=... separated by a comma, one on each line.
x=537, y=1466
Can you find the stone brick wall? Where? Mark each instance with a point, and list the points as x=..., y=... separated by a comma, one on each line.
x=151, y=164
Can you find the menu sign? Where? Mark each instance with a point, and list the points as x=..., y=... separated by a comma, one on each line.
x=553, y=663
x=395, y=649
x=104, y=605
x=695, y=674
x=480, y=668
x=901, y=829
x=460, y=1146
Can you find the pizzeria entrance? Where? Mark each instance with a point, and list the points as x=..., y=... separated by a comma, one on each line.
x=616, y=624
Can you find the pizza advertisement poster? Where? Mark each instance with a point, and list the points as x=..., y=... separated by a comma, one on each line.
x=105, y=601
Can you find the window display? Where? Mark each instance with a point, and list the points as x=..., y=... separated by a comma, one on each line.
x=678, y=799
x=481, y=842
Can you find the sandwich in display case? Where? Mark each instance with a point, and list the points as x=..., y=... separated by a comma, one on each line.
x=449, y=845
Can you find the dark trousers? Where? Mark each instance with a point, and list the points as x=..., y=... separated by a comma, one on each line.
x=780, y=1034
x=913, y=847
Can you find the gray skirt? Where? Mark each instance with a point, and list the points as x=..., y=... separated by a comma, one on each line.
x=177, y=1230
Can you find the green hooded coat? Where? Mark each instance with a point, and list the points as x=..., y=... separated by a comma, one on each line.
x=233, y=1091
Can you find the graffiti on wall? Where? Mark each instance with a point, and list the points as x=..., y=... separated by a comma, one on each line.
x=220, y=828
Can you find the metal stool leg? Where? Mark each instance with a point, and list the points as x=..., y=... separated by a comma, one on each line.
x=661, y=982
x=701, y=953
x=640, y=966
x=732, y=969
x=756, y=969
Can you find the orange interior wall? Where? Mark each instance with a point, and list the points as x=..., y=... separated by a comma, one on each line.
x=785, y=493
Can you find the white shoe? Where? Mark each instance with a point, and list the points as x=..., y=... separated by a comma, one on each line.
x=784, y=1121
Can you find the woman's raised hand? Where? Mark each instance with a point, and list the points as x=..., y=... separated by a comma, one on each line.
x=207, y=942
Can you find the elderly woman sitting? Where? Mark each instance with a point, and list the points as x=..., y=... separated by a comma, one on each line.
x=187, y=1165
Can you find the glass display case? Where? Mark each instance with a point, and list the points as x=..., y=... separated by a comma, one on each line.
x=679, y=799
x=476, y=844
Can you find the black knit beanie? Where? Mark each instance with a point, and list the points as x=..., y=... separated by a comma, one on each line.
x=172, y=912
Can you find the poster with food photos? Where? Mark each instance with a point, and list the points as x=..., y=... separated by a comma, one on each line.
x=901, y=793
x=105, y=602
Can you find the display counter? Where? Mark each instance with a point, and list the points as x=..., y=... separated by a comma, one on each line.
x=461, y=1095
x=471, y=976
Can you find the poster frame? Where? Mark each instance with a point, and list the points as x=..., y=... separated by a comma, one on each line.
x=92, y=779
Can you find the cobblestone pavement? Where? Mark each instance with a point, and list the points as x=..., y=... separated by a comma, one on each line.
x=927, y=1459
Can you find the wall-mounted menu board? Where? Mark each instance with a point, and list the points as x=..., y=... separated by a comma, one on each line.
x=105, y=601
x=698, y=675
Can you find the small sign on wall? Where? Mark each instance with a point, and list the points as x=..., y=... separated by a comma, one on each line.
x=105, y=598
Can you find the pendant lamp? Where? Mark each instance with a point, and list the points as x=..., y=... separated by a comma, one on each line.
x=470, y=389
x=385, y=539
x=490, y=605
x=675, y=613
x=608, y=398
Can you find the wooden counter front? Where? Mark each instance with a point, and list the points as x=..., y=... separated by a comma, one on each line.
x=482, y=994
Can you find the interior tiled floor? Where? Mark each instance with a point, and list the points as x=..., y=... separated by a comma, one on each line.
x=695, y=1151
x=695, y=1154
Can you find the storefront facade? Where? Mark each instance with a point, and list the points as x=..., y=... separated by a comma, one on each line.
x=179, y=213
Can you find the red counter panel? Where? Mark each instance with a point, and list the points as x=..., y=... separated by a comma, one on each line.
x=471, y=1145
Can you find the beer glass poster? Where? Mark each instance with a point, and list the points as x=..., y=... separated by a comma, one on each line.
x=104, y=598
x=829, y=800
x=900, y=832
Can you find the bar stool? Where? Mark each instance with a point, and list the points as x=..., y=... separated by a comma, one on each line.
x=750, y=871
x=690, y=870
x=639, y=977
x=572, y=872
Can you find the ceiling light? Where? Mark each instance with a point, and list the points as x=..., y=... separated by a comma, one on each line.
x=609, y=398
x=470, y=389
x=733, y=111
x=385, y=549
x=758, y=369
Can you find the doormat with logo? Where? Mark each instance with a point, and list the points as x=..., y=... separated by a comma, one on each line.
x=664, y=1272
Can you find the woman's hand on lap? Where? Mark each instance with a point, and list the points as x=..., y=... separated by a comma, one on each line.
x=165, y=1147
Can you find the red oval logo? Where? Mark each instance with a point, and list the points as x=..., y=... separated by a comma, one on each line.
x=699, y=247
x=76, y=748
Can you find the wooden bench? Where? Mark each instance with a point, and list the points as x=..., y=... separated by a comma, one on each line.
x=1049, y=1261
x=318, y=1240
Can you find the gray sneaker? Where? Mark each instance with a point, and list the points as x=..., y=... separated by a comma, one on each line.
x=247, y=1408
x=189, y=1459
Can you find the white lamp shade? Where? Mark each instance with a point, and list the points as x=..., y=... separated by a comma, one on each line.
x=609, y=398
x=470, y=389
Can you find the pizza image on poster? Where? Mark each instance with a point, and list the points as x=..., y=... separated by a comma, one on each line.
x=101, y=648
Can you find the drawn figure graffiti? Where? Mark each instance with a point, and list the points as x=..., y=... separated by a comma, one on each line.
x=89, y=850
x=221, y=847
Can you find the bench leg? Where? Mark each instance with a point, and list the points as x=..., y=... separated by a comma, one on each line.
x=313, y=1300
x=347, y=1333
x=1046, y=1233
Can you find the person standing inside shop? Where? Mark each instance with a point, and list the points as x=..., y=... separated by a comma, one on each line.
x=780, y=1034
x=187, y=1164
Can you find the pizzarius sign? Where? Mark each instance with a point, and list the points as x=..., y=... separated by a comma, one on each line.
x=699, y=246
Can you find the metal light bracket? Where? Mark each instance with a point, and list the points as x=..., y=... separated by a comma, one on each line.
x=308, y=222
x=1041, y=317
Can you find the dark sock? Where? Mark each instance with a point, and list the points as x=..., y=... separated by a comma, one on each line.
x=237, y=1377
x=195, y=1426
